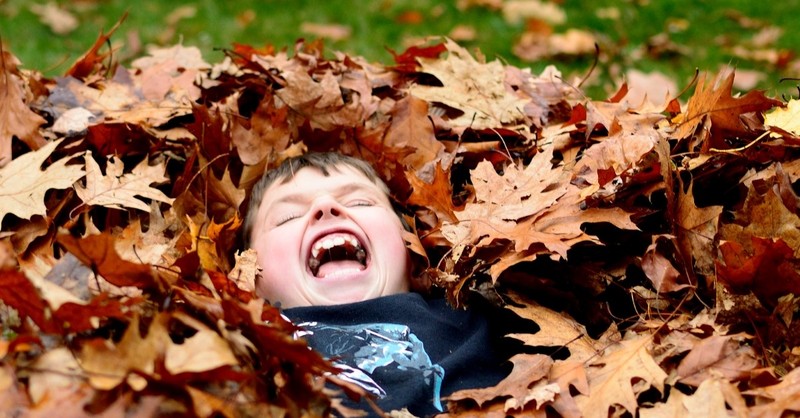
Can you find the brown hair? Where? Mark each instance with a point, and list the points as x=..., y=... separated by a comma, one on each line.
x=322, y=161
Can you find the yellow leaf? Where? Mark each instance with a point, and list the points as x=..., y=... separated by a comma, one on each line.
x=786, y=118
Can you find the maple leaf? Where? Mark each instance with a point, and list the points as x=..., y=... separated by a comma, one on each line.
x=23, y=185
x=119, y=190
x=476, y=89
x=611, y=377
x=16, y=118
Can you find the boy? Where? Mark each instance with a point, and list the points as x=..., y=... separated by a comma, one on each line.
x=332, y=255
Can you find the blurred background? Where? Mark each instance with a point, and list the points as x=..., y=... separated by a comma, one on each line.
x=651, y=43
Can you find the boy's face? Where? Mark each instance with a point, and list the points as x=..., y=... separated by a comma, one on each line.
x=328, y=240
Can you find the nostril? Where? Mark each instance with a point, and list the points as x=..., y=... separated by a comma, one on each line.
x=328, y=211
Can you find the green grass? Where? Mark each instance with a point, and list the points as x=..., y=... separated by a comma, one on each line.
x=703, y=30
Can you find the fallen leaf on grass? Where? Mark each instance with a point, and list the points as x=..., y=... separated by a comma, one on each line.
x=58, y=19
x=328, y=31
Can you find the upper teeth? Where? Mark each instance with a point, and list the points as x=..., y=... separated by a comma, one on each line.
x=333, y=241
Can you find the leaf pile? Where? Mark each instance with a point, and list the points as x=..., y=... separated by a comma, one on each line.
x=656, y=248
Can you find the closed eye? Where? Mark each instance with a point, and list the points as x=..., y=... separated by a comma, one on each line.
x=359, y=202
x=287, y=218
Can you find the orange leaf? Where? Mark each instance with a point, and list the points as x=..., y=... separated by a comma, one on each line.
x=97, y=252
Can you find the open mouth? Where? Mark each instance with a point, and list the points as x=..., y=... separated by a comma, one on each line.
x=337, y=254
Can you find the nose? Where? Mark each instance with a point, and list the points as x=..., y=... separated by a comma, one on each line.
x=326, y=207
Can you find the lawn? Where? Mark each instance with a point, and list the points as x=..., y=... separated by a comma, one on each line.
x=669, y=37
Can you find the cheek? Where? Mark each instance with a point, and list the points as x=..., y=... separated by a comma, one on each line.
x=275, y=252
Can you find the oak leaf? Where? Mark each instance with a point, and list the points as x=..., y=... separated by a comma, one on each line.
x=266, y=132
x=435, y=195
x=707, y=401
x=16, y=118
x=118, y=190
x=767, y=267
x=23, y=185
x=555, y=330
x=611, y=377
x=714, y=99
x=500, y=200
x=777, y=399
x=518, y=386
x=478, y=90
x=717, y=355
x=97, y=251
x=412, y=129
x=696, y=229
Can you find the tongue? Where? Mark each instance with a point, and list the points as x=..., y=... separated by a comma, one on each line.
x=333, y=266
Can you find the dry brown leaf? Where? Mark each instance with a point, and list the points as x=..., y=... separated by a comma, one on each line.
x=23, y=184
x=612, y=377
x=118, y=190
x=502, y=200
x=267, y=132
x=775, y=400
x=329, y=31
x=713, y=99
x=16, y=118
x=556, y=330
x=436, y=195
x=58, y=19
x=412, y=129
x=717, y=355
x=476, y=89
x=517, y=386
x=708, y=401
x=696, y=230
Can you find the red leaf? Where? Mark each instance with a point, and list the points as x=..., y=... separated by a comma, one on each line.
x=770, y=272
x=19, y=293
x=407, y=61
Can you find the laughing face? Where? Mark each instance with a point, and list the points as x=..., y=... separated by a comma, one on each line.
x=325, y=240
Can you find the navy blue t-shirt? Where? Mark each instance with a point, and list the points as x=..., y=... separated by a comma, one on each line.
x=409, y=352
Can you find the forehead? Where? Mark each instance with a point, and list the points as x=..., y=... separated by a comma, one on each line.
x=310, y=181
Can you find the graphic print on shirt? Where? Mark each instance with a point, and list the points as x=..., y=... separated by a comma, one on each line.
x=361, y=349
